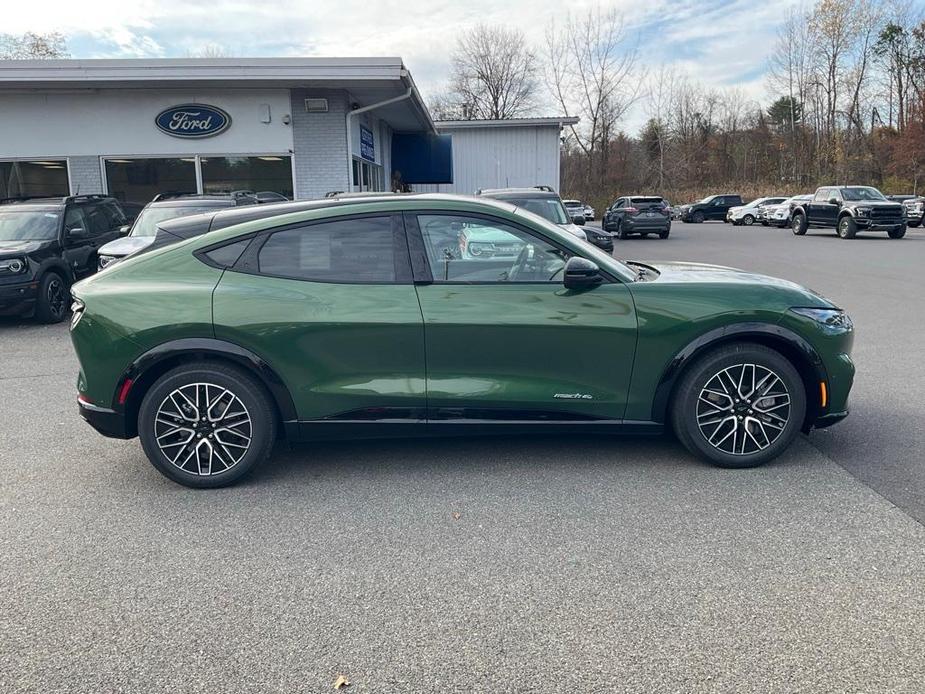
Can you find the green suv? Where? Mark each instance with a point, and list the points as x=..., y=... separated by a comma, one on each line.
x=357, y=317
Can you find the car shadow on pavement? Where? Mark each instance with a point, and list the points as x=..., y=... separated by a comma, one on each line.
x=538, y=455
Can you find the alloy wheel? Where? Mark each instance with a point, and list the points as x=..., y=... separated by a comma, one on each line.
x=56, y=298
x=203, y=429
x=743, y=409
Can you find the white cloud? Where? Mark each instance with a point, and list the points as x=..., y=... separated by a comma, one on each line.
x=719, y=43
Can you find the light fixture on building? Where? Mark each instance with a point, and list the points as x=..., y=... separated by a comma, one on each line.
x=270, y=158
x=316, y=105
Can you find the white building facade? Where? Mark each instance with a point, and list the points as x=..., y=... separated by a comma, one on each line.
x=302, y=127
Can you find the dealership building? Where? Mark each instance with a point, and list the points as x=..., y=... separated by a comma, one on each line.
x=302, y=127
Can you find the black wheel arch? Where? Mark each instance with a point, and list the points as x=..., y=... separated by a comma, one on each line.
x=796, y=349
x=146, y=369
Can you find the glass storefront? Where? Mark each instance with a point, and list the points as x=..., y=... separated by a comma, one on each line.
x=261, y=173
x=138, y=180
x=366, y=176
x=37, y=178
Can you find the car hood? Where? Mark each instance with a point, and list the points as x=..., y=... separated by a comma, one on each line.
x=125, y=246
x=8, y=248
x=678, y=272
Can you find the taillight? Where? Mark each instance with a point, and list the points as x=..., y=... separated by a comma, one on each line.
x=631, y=210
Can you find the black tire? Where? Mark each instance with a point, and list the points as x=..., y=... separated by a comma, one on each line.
x=898, y=232
x=748, y=220
x=913, y=224
x=798, y=225
x=664, y=234
x=846, y=229
x=621, y=232
x=52, y=302
x=697, y=217
x=687, y=399
x=256, y=405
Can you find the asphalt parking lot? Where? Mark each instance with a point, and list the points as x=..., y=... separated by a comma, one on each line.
x=533, y=564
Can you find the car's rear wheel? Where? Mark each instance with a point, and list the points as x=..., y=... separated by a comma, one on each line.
x=698, y=217
x=898, y=232
x=206, y=425
x=798, y=225
x=622, y=232
x=739, y=406
x=664, y=234
x=748, y=220
x=847, y=229
x=51, y=305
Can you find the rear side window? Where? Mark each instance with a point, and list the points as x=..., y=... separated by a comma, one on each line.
x=227, y=256
x=359, y=250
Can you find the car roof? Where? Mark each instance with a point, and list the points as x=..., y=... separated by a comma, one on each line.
x=55, y=201
x=195, y=225
x=195, y=201
x=519, y=193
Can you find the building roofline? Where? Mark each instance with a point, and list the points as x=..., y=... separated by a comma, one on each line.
x=559, y=121
x=196, y=69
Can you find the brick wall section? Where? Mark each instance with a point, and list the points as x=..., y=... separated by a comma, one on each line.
x=85, y=175
x=319, y=143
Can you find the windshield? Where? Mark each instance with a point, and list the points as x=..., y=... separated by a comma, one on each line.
x=862, y=193
x=28, y=225
x=548, y=208
x=150, y=217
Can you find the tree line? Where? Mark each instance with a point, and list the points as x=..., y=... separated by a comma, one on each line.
x=845, y=103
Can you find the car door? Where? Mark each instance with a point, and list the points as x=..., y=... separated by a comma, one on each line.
x=331, y=307
x=77, y=242
x=823, y=212
x=717, y=209
x=504, y=339
x=615, y=215
x=102, y=226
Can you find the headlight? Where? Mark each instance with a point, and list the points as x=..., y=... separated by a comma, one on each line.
x=12, y=266
x=832, y=320
x=105, y=260
x=862, y=211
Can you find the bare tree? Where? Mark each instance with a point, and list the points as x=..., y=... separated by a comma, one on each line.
x=32, y=46
x=493, y=73
x=591, y=65
x=210, y=50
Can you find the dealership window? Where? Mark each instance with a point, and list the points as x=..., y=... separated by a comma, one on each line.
x=260, y=173
x=139, y=180
x=366, y=175
x=33, y=178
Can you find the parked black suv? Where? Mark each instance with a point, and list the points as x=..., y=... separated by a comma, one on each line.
x=168, y=206
x=637, y=214
x=850, y=209
x=711, y=207
x=46, y=244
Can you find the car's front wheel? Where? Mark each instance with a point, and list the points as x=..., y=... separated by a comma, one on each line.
x=897, y=232
x=698, y=217
x=847, y=229
x=206, y=425
x=748, y=220
x=739, y=406
x=798, y=225
x=51, y=305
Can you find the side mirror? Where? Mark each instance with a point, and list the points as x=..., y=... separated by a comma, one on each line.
x=581, y=273
x=124, y=229
x=579, y=219
x=76, y=233
x=834, y=201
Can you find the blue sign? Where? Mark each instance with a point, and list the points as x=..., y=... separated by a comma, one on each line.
x=367, y=144
x=192, y=120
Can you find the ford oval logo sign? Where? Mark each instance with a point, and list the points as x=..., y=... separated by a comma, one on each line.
x=192, y=120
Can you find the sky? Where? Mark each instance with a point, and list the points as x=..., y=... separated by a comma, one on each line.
x=719, y=43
